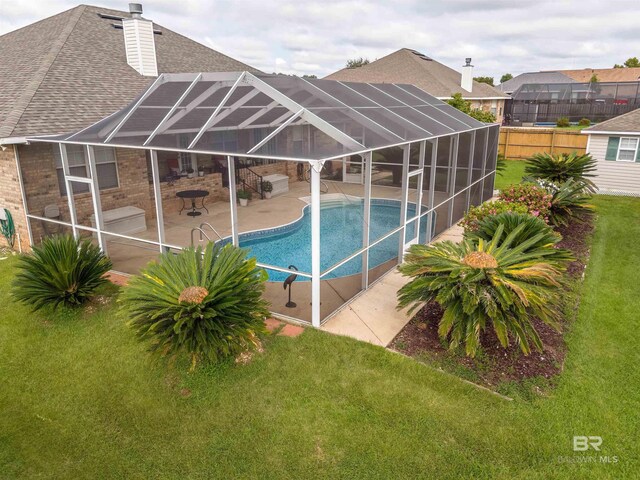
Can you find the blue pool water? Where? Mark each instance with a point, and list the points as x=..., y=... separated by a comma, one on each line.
x=340, y=236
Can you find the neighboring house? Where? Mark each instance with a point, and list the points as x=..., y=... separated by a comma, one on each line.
x=409, y=66
x=68, y=71
x=544, y=97
x=606, y=75
x=615, y=144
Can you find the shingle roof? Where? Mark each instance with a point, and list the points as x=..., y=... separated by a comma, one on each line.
x=534, y=77
x=604, y=74
x=409, y=66
x=628, y=122
x=70, y=70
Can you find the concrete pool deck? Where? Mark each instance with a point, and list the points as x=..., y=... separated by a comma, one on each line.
x=373, y=317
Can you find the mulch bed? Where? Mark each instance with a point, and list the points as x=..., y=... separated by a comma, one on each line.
x=495, y=364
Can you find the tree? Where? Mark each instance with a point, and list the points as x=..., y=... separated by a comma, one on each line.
x=357, y=62
x=487, y=80
x=631, y=62
x=309, y=76
x=464, y=106
x=506, y=77
x=594, y=79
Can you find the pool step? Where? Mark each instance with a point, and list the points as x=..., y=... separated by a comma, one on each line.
x=334, y=199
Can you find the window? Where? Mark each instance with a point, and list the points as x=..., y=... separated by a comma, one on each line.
x=269, y=148
x=186, y=160
x=298, y=139
x=106, y=167
x=627, y=150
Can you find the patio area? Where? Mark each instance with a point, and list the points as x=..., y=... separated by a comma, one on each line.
x=130, y=256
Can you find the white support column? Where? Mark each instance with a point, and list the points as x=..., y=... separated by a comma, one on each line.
x=472, y=148
x=69, y=189
x=484, y=162
x=316, y=166
x=406, y=151
x=420, y=186
x=452, y=188
x=231, y=166
x=367, y=164
x=95, y=196
x=157, y=195
x=432, y=187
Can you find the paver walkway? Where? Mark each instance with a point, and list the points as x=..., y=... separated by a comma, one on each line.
x=287, y=330
x=372, y=317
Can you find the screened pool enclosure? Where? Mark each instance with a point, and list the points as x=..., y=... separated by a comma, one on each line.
x=355, y=173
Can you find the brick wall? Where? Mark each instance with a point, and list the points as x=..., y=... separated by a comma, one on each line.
x=212, y=182
x=41, y=186
x=11, y=196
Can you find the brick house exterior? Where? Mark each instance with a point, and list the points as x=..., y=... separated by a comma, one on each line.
x=64, y=73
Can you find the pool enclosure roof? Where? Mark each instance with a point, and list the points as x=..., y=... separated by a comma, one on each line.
x=258, y=115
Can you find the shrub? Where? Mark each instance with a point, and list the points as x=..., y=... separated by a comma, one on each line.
x=481, y=284
x=463, y=105
x=244, y=194
x=533, y=227
x=476, y=214
x=569, y=201
x=501, y=164
x=62, y=270
x=536, y=199
x=266, y=186
x=563, y=122
x=206, y=304
x=562, y=167
x=584, y=122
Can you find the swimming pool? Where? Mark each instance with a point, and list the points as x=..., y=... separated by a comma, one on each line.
x=341, y=225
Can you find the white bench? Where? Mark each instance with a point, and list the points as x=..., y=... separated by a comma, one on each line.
x=280, y=183
x=123, y=220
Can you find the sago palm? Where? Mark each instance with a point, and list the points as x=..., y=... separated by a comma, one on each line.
x=206, y=304
x=484, y=284
x=531, y=227
x=558, y=168
x=60, y=271
x=569, y=201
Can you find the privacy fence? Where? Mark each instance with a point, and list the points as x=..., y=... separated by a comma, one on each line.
x=522, y=142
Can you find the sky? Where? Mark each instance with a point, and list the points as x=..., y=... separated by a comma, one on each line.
x=318, y=37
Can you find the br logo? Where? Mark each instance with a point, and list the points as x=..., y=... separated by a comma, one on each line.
x=582, y=443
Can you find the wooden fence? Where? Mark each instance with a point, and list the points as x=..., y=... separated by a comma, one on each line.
x=522, y=142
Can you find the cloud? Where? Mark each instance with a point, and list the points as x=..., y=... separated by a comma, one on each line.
x=318, y=37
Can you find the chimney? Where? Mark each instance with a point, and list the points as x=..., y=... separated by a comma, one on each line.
x=466, y=80
x=139, y=43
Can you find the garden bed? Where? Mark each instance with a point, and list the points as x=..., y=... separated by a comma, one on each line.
x=495, y=365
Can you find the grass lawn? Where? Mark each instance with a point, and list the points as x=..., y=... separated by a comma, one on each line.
x=512, y=173
x=81, y=399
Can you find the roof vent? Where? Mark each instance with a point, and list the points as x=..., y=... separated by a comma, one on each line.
x=139, y=43
x=135, y=9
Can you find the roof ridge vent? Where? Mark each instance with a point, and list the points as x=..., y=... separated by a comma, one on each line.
x=421, y=55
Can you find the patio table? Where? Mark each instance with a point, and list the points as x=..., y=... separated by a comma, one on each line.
x=193, y=195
